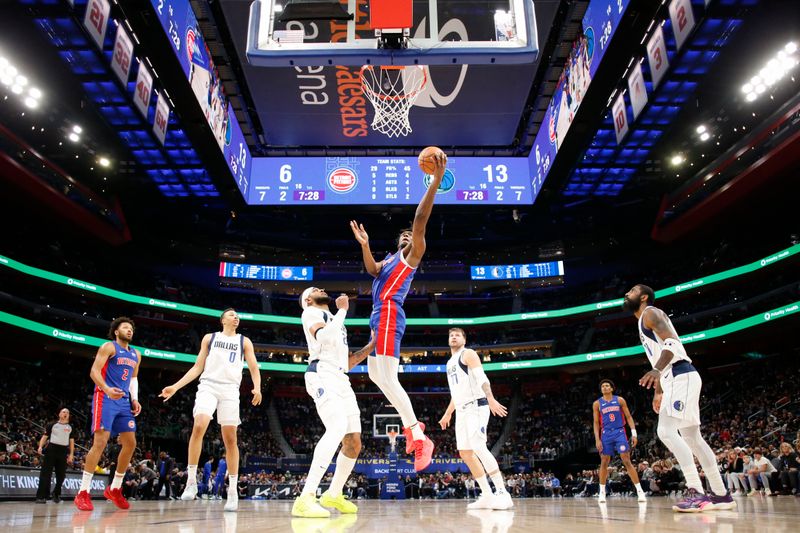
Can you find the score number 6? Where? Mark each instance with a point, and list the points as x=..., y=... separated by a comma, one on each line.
x=285, y=173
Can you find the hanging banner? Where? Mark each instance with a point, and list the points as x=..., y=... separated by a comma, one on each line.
x=122, y=56
x=162, y=118
x=96, y=20
x=657, y=56
x=620, y=116
x=637, y=89
x=144, y=88
x=682, y=17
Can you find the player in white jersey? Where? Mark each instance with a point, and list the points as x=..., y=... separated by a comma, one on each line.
x=329, y=360
x=219, y=366
x=472, y=400
x=677, y=402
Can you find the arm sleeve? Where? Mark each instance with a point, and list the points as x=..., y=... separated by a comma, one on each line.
x=135, y=389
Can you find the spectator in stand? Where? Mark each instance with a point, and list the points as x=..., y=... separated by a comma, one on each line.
x=788, y=471
x=165, y=466
x=147, y=478
x=733, y=467
x=469, y=488
x=761, y=469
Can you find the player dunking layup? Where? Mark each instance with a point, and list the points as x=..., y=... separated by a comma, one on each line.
x=472, y=400
x=610, y=413
x=393, y=278
x=219, y=365
x=114, y=404
x=677, y=402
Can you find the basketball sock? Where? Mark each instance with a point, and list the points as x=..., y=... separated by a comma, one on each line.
x=395, y=393
x=602, y=490
x=323, y=453
x=499, y=484
x=191, y=475
x=233, y=489
x=639, y=489
x=483, y=483
x=668, y=433
x=705, y=455
x=117, y=483
x=86, y=482
x=344, y=466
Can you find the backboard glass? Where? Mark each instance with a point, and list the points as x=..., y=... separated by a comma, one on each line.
x=443, y=32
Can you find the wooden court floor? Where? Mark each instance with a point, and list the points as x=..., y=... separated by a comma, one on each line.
x=765, y=515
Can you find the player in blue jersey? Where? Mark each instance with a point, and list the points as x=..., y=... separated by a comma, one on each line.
x=393, y=277
x=219, y=479
x=115, y=403
x=207, y=468
x=610, y=413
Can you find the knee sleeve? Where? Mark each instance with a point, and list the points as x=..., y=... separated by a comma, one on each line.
x=486, y=458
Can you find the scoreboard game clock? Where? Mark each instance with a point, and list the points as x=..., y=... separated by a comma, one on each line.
x=387, y=180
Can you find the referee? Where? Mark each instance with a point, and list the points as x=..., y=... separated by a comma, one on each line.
x=59, y=452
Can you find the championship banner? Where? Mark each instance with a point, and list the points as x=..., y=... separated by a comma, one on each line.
x=620, y=117
x=144, y=88
x=162, y=118
x=96, y=20
x=682, y=17
x=637, y=89
x=122, y=56
x=23, y=482
x=657, y=56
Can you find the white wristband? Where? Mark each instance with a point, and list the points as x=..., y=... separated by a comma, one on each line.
x=135, y=389
x=633, y=434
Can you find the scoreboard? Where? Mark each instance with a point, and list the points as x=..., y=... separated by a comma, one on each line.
x=265, y=272
x=387, y=180
x=524, y=271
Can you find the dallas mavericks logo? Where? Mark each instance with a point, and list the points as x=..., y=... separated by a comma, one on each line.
x=320, y=392
x=678, y=405
x=483, y=429
x=447, y=184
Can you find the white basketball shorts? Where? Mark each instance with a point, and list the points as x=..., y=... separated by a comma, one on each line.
x=472, y=422
x=681, y=398
x=220, y=398
x=333, y=397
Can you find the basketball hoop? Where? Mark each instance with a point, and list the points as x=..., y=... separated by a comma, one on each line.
x=392, y=89
x=392, y=439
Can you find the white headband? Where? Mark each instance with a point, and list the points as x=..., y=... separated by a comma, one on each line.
x=305, y=295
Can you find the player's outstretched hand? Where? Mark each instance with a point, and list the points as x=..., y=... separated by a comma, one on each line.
x=114, y=393
x=167, y=392
x=343, y=302
x=359, y=232
x=497, y=408
x=445, y=420
x=256, y=397
x=650, y=379
x=440, y=160
x=136, y=407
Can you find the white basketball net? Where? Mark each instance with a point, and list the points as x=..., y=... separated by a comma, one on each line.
x=392, y=91
x=392, y=440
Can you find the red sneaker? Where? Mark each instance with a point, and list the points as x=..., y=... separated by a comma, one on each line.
x=116, y=497
x=423, y=453
x=410, y=437
x=83, y=501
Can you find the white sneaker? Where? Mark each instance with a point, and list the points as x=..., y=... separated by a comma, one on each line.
x=484, y=502
x=232, y=504
x=502, y=501
x=189, y=492
x=641, y=497
x=601, y=498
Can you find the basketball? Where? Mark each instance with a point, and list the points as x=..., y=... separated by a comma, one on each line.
x=426, y=161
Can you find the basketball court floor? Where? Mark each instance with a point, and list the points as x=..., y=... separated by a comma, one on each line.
x=773, y=515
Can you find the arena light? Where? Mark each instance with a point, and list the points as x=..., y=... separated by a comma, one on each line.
x=77, y=129
x=701, y=129
x=74, y=137
x=19, y=83
x=676, y=160
x=31, y=102
x=705, y=136
x=104, y=162
x=774, y=70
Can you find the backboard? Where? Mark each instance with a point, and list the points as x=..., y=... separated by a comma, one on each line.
x=442, y=32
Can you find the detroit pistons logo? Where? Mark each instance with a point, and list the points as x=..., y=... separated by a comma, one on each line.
x=131, y=424
x=623, y=448
x=342, y=180
x=190, y=39
x=286, y=273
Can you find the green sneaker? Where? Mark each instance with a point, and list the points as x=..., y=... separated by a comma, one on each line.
x=338, y=502
x=306, y=506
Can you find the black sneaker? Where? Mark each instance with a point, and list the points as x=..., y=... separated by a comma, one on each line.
x=56, y=499
x=41, y=500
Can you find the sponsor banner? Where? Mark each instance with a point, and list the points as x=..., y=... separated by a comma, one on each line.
x=682, y=17
x=123, y=55
x=620, y=116
x=657, y=56
x=371, y=468
x=96, y=20
x=637, y=89
x=144, y=89
x=23, y=482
